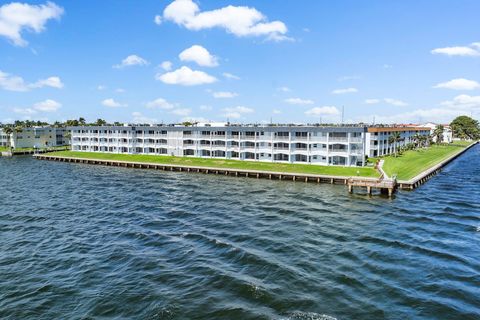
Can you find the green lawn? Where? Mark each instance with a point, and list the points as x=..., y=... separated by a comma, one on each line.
x=4, y=149
x=222, y=163
x=413, y=162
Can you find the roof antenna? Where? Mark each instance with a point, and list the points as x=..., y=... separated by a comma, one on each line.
x=343, y=113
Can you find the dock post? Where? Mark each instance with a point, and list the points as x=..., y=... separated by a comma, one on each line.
x=369, y=190
x=390, y=192
x=331, y=181
x=350, y=188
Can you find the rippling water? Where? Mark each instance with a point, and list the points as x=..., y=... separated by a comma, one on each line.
x=80, y=241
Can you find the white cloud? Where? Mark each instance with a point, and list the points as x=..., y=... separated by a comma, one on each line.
x=26, y=111
x=276, y=111
x=53, y=82
x=466, y=51
x=322, y=111
x=395, y=102
x=236, y=112
x=463, y=102
x=199, y=55
x=16, y=17
x=160, y=103
x=111, y=103
x=345, y=91
x=120, y=90
x=372, y=101
x=241, y=21
x=230, y=76
x=346, y=78
x=284, y=89
x=459, y=84
x=131, y=60
x=186, y=77
x=298, y=101
x=101, y=87
x=387, y=66
x=224, y=95
x=15, y=83
x=205, y=108
x=47, y=106
x=138, y=117
x=181, y=112
x=166, y=65
x=157, y=20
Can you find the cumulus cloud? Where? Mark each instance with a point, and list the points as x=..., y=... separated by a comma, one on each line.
x=24, y=111
x=166, y=65
x=323, y=111
x=53, y=82
x=16, y=17
x=230, y=76
x=15, y=83
x=276, y=111
x=199, y=55
x=131, y=60
x=298, y=101
x=111, y=103
x=241, y=21
x=138, y=117
x=186, y=77
x=459, y=84
x=284, y=89
x=236, y=112
x=181, y=112
x=395, y=102
x=345, y=91
x=205, y=108
x=224, y=95
x=473, y=50
x=160, y=103
x=372, y=101
x=48, y=105
x=157, y=20
x=463, y=102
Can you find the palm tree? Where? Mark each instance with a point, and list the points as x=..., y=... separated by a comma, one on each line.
x=8, y=131
x=416, y=140
x=438, y=133
x=16, y=130
x=394, y=139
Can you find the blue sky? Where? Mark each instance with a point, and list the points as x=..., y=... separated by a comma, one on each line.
x=245, y=61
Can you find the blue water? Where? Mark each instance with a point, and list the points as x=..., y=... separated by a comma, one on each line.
x=86, y=242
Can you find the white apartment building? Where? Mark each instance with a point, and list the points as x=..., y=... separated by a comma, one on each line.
x=34, y=137
x=321, y=145
x=447, y=136
x=377, y=138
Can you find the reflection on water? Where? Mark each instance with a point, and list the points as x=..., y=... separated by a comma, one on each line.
x=80, y=241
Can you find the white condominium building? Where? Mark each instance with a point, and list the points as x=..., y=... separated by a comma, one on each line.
x=322, y=145
x=378, y=143
x=38, y=137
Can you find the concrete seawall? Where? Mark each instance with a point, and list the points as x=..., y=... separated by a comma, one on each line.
x=423, y=177
x=206, y=170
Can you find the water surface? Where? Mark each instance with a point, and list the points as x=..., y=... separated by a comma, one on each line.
x=83, y=242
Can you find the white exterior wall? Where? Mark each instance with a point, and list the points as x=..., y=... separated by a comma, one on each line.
x=40, y=137
x=312, y=145
x=377, y=142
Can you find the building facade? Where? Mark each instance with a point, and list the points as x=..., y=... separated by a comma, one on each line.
x=447, y=136
x=35, y=137
x=377, y=138
x=343, y=145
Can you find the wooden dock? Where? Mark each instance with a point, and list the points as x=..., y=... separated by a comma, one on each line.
x=387, y=186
